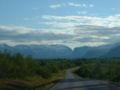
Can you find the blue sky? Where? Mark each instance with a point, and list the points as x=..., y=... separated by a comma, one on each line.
x=68, y=22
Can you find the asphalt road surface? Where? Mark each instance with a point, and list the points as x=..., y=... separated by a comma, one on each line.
x=72, y=82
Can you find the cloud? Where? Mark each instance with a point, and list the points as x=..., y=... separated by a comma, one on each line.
x=67, y=30
x=14, y=34
x=55, y=6
x=109, y=21
x=71, y=4
x=97, y=34
x=87, y=29
x=74, y=4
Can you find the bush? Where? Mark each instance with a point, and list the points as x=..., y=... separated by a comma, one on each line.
x=18, y=66
x=101, y=69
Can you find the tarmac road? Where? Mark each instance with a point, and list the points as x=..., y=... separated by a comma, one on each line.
x=72, y=82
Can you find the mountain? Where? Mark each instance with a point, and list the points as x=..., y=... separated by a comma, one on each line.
x=39, y=51
x=51, y=51
x=90, y=52
x=61, y=51
x=114, y=52
x=5, y=47
x=96, y=52
x=79, y=52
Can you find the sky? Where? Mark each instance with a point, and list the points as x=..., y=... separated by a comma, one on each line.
x=72, y=23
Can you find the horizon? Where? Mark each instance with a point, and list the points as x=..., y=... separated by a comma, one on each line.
x=70, y=23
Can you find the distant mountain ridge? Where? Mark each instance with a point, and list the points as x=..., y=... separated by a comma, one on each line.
x=61, y=51
x=39, y=51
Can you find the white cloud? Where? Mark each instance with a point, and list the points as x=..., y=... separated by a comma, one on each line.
x=20, y=35
x=55, y=6
x=68, y=30
x=87, y=29
x=71, y=4
x=74, y=4
x=109, y=21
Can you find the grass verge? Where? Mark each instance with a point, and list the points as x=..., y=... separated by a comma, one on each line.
x=31, y=83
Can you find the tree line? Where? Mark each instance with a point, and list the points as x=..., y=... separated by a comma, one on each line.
x=19, y=66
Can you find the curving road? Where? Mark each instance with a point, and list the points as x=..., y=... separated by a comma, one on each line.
x=72, y=82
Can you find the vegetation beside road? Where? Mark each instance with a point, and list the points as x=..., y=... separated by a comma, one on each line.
x=105, y=69
x=18, y=70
